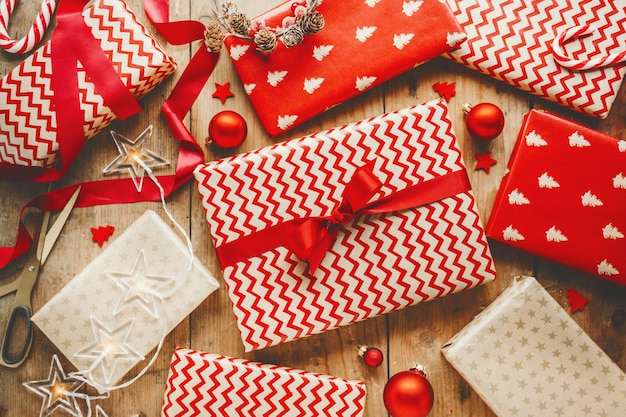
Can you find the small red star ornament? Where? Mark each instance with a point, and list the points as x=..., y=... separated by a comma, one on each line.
x=484, y=161
x=445, y=89
x=222, y=91
x=576, y=300
x=101, y=234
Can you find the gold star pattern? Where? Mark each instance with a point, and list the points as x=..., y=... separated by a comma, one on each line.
x=58, y=391
x=134, y=157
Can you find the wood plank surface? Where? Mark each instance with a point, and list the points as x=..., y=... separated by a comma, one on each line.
x=413, y=335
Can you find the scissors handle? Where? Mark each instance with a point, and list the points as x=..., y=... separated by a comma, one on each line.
x=13, y=362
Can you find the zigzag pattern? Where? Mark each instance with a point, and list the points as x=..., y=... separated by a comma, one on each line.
x=27, y=113
x=203, y=384
x=511, y=40
x=379, y=263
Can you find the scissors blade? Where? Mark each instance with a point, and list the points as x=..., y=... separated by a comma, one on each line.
x=55, y=229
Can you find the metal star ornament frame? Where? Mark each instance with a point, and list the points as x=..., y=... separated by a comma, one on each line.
x=58, y=391
x=134, y=157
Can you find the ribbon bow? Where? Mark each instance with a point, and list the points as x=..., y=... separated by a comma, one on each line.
x=565, y=60
x=310, y=238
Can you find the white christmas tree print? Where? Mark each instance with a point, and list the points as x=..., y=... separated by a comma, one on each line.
x=619, y=181
x=372, y=3
x=605, y=268
x=611, y=232
x=363, y=83
x=516, y=197
x=590, y=200
x=402, y=40
x=321, y=51
x=555, y=235
x=284, y=122
x=274, y=77
x=237, y=51
x=249, y=88
x=546, y=181
x=454, y=38
x=410, y=7
x=312, y=84
x=576, y=140
x=512, y=234
x=621, y=145
x=364, y=33
x=534, y=139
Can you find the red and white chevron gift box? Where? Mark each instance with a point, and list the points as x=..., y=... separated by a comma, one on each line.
x=379, y=262
x=203, y=384
x=564, y=196
x=28, y=123
x=525, y=42
x=362, y=44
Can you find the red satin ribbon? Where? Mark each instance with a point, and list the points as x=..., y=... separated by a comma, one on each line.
x=72, y=41
x=309, y=239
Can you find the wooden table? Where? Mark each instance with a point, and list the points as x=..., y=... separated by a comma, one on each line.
x=413, y=335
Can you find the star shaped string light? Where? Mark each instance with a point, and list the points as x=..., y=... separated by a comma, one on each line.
x=140, y=287
x=134, y=157
x=58, y=391
x=222, y=91
x=109, y=347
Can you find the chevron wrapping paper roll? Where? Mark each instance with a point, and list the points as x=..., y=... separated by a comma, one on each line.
x=564, y=196
x=205, y=385
x=525, y=356
x=363, y=43
x=112, y=314
x=378, y=263
x=28, y=127
x=511, y=40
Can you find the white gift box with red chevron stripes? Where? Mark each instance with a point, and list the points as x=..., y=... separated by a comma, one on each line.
x=378, y=263
x=28, y=127
x=203, y=384
x=512, y=41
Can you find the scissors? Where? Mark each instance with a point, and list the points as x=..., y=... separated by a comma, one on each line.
x=24, y=283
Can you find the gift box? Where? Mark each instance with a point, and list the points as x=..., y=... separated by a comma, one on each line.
x=524, y=355
x=297, y=261
x=564, y=196
x=125, y=301
x=362, y=44
x=28, y=113
x=205, y=384
x=514, y=41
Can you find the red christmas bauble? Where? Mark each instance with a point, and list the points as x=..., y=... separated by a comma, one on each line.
x=408, y=394
x=372, y=356
x=484, y=121
x=227, y=129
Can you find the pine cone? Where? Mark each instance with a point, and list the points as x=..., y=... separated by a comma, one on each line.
x=265, y=41
x=239, y=23
x=213, y=37
x=312, y=22
x=292, y=36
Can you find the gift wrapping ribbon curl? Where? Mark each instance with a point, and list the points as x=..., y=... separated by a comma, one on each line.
x=310, y=238
x=72, y=41
x=565, y=60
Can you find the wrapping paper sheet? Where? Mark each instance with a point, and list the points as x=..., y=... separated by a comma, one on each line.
x=564, y=196
x=113, y=313
x=202, y=384
x=28, y=134
x=379, y=262
x=511, y=40
x=362, y=44
x=525, y=356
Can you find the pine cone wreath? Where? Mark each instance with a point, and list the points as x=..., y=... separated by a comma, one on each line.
x=311, y=22
x=265, y=41
x=213, y=37
x=292, y=36
x=239, y=23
